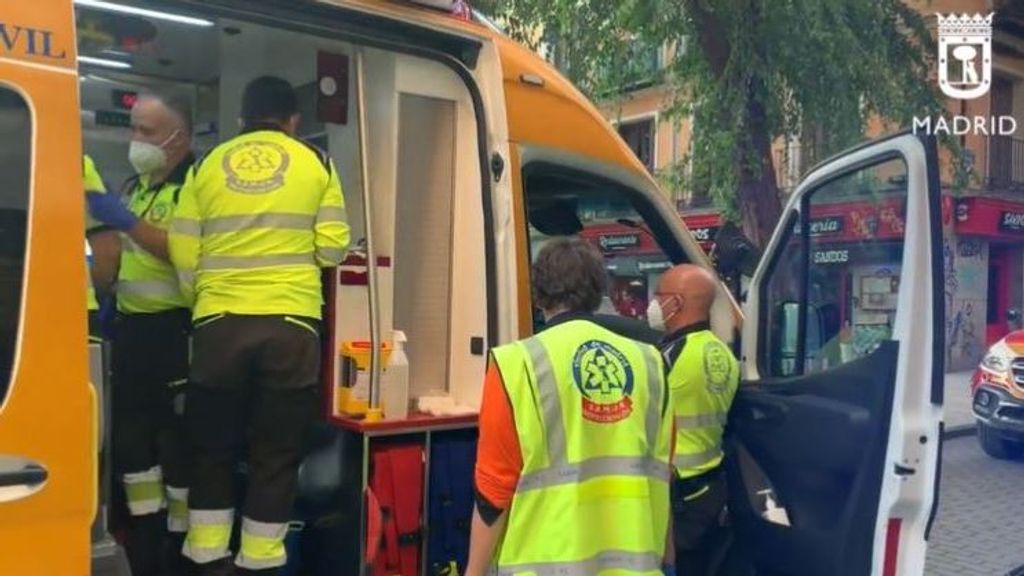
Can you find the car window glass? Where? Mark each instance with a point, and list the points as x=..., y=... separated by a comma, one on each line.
x=831, y=295
x=15, y=165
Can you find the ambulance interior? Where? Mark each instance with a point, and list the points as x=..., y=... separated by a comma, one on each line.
x=422, y=163
x=423, y=181
x=415, y=168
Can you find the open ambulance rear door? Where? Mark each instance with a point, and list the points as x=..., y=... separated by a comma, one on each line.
x=48, y=468
x=834, y=441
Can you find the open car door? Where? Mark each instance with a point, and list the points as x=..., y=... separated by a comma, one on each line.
x=833, y=444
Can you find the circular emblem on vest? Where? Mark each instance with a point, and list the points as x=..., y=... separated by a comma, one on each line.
x=604, y=377
x=159, y=212
x=717, y=367
x=256, y=167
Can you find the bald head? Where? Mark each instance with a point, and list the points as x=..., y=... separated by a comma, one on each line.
x=686, y=293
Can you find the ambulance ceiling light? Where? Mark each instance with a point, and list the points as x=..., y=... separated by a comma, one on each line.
x=155, y=14
x=104, y=62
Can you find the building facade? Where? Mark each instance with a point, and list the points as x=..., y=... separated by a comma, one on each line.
x=984, y=219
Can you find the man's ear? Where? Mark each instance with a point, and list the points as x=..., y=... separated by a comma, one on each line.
x=293, y=124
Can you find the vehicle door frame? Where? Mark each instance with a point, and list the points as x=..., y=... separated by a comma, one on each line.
x=912, y=465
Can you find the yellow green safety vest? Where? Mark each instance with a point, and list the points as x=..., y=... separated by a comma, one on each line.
x=703, y=380
x=91, y=182
x=595, y=429
x=147, y=284
x=256, y=220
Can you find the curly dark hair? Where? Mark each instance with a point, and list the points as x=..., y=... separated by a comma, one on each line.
x=569, y=273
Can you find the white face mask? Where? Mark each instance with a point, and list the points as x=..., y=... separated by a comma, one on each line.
x=655, y=316
x=147, y=158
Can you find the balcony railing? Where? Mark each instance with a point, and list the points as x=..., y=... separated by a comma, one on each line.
x=1005, y=163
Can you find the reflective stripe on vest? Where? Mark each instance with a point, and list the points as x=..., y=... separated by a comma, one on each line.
x=704, y=380
x=209, y=262
x=263, y=220
x=148, y=289
x=579, y=468
x=593, y=468
x=610, y=560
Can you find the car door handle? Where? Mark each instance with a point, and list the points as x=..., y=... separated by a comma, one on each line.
x=31, y=475
x=765, y=410
x=20, y=478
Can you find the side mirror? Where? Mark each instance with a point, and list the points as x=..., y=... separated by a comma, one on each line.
x=1013, y=318
x=734, y=257
x=734, y=253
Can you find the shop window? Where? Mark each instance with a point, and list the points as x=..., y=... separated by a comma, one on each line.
x=618, y=221
x=831, y=294
x=15, y=163
x=639, y=136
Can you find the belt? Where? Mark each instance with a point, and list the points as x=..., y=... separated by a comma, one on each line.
x=692, y=485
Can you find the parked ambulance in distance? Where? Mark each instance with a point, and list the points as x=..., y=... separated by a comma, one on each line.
x=997, y=392
x=461, y=152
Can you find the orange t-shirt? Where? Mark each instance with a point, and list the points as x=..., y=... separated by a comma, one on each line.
x=499, y=460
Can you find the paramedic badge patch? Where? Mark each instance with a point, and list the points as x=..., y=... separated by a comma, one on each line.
x=256, y=167
x=717, y=367
x=159, y=212
x=605, y=379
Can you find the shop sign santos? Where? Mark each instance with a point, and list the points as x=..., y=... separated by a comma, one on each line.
x=840, y=256
x=1012, y=222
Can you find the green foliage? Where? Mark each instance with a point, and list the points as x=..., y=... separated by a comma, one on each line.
x=748, y=72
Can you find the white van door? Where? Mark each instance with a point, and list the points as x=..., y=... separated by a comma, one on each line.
x=834, y=441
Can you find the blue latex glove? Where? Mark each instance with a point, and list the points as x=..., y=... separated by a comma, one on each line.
x=107, y=208
x=668, y=570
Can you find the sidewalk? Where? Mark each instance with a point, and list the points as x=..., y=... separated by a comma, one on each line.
x=957, y=405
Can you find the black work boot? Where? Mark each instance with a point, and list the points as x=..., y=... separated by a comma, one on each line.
x=144, y=538
x=222, y=567
x=264, y=572
x=172, y=561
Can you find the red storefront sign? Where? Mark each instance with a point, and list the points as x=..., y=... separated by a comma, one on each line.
x=622, y=240
x=838, y=222
x=619, y=239
x=990, y=217
x=854, y=221
x=704, y=227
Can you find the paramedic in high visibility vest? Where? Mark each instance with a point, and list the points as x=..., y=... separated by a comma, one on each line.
x=259, y=217
x=149, y=349
x=102, y=249
x=703, y=377
x=572, y=475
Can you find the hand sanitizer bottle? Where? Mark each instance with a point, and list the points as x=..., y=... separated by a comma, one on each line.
x=395, y=381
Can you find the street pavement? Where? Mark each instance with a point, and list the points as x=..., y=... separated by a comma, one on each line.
x=980, y=515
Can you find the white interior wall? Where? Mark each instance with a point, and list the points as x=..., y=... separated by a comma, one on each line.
x=468, y=281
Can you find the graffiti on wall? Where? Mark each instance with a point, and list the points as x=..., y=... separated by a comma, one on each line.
x=966, y=286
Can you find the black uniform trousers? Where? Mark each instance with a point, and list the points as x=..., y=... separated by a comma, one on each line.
x=254, y=394
x=697, y=507
x=149, y=358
